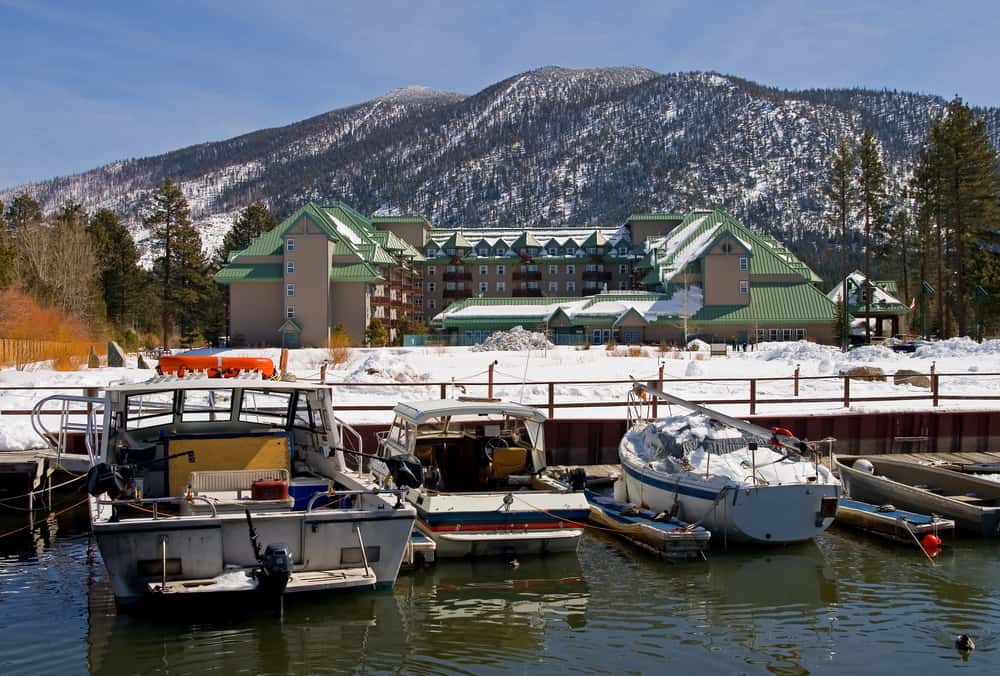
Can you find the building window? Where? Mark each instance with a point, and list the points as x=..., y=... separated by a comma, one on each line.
x=726, y=248
x=501, y=269
x=431, y=270
x=800, y=334
x=553, y=251
x=484, y=252
x=290, y=311
x=449, y=286
x=289, y=244
x=571, y=251
x=553, y=286
x=501, y=286
x=744, y=287
x=571, y=286
x=431, y=286
x=570, y=269
x=533, y=285
x=623, y=251
x=622, y=269
x=553, y=269
x=290, y=290
x=484, y=287
x=483, y=270
x=418, y=301
x=744, y=263
x=431, y=252
x=501, y=251
x=431, y=304
x=450, y=268
x=290, y=267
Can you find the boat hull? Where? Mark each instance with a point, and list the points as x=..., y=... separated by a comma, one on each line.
x=757, y=514
x=209, y=554
x=895, y=524
x=879, y=489
x=481, y=524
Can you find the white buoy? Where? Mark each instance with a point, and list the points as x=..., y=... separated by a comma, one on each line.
x=863, y=465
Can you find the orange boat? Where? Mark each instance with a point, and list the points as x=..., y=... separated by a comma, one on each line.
x=216, y=366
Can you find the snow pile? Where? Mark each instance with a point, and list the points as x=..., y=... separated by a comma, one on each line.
x=958, y=347
x=694, y=369
x=385, y=365
x=797, y=351
x=16, y=434
x=516, y=339
x=698, y=345
x=871, y=353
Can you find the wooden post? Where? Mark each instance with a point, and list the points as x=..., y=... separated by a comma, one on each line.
x=797, y=380
x=283, y=361
x=552, y=400
x=659, y=386
x=753, y=396
x=935, y=383
x=322, y=373
x=444, y=390
x=847, y=391
x=489, y=388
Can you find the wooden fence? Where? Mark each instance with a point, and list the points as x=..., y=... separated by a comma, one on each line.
x=18, y=352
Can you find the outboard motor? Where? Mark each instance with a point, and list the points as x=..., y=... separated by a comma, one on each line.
x=406, y=470
x=104, y=478
x=578, y=479
x=275, y=568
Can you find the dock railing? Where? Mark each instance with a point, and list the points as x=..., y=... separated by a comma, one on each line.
x=753, y=393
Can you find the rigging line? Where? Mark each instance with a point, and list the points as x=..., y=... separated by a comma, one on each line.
x=30, y=526
x=42, y=490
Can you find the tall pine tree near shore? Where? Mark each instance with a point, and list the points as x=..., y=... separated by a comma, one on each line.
x=180, y=268
x=6, y=253
x=253, y=221
x=871, y=197
x=840, y=190
x=118, y=259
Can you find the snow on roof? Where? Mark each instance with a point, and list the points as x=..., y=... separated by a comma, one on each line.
x=344, y=230
x=856, y=281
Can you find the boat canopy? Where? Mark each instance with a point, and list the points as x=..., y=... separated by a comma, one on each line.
x=423, y=411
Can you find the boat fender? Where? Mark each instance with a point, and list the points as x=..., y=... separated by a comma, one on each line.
x=863, y=465
x=888, y=507
x=578, y=478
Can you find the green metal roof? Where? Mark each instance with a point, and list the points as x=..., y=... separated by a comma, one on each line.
x=390, y=241
x=456, y=241
x=596, y=238
x=525, y=240
x=250, y=272
x=355, y=272
x=773, y=303
x=400, y=219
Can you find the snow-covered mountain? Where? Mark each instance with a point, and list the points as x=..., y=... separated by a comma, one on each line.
x=549, y=146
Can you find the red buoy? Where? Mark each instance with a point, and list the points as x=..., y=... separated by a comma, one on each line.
x=930, y=542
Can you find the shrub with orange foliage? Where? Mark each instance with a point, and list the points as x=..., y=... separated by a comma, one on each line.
x=31, y=332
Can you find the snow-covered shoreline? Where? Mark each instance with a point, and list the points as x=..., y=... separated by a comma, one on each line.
x=383, y=376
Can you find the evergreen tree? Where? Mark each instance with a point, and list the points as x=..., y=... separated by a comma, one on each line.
x=871, y=196
x=839, y=319
x=118, y=260
x=375, y=334
x=180, y=267
x=6, y=253
x=840, y=190
x=251, y=223
x=21, y=212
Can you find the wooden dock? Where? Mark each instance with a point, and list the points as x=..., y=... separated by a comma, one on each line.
x=26, y=472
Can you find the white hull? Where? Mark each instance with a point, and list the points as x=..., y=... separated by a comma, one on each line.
x=756, y=514
x=216, y=550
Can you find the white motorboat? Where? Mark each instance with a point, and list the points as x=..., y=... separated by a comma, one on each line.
x=483, y=489
x=203, y=486
x=741, y=481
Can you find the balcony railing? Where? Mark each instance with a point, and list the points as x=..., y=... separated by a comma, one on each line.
x=380, y=300
x=458, y=276
x=528, y=275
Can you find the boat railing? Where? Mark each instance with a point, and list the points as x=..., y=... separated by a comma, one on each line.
x=156, y=502
x=57, y=439
x=398, y=492
x=353, y=443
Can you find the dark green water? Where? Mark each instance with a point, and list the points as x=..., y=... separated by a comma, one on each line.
x=844, y=604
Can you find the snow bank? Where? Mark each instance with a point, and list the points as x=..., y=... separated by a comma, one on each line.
x=514, y=340
x=958, y=347
x=16, y=434
x=387, y=365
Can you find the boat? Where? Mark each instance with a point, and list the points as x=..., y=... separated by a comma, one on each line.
x=214, y=366
x=484, y=490
x=890, y=522
x=741, y=481
x=973, y=503
x=202, y=486
x=660, y=534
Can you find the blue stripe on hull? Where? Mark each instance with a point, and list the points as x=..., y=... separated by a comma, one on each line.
x=671, y=487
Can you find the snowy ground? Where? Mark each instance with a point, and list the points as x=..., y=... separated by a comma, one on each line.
x=385, y=376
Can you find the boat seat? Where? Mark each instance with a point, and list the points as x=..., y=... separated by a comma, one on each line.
x=226, y=488
x=509, y=460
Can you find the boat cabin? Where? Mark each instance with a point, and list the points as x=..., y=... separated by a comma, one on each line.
x=246, y=441
x=469, y=445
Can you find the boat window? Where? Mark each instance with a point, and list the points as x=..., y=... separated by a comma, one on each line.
x=305, y=417
x=401, y=432
x=149, y=409
x=206, y=405
x=267, y=407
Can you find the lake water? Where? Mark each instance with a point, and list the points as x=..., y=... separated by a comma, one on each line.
x=844, y=604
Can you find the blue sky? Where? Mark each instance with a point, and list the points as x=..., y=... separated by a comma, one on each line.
x=86, y=83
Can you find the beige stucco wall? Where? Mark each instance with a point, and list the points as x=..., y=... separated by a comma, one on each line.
x=312, y=256
x=414, y=234
x=723, y=275
x=642, y=230
x=256, y=312
x=349, y=306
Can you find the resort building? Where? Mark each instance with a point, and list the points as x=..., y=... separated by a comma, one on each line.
x=887, y=313
x=324, y=267
x=656, y=278
x=704, y=274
